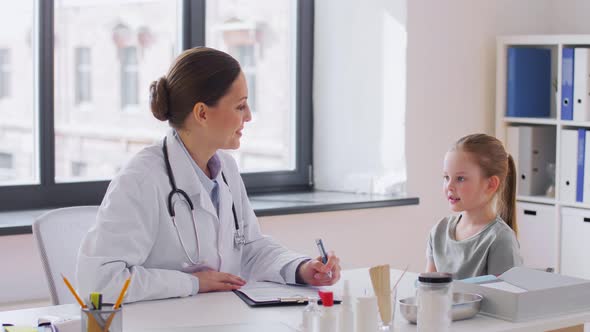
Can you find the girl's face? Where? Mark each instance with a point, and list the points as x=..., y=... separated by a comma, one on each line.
x=229, y=115
x=464, y=185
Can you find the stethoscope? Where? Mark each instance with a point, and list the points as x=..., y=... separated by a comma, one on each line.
x=239, y=238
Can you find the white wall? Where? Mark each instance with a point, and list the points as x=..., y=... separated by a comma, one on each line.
x=22, y=277
x=360, y=88
x=570, y=16
x=450, y=92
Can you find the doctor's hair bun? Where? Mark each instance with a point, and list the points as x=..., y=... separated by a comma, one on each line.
x=159, y=99
x=198, y=75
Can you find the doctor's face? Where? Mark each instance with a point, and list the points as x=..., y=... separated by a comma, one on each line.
x=227, y=118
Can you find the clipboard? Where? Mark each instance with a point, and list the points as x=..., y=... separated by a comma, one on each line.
x=269, y=294
x=245, y=327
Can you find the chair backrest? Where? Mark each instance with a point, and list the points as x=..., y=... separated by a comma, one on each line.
x=59, y=234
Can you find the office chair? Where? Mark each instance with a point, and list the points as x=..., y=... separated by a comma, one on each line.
x=58, y=234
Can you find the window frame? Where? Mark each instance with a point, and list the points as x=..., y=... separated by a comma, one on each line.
x=49, y=194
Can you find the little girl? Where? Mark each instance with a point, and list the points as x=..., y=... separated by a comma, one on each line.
x=480, y=183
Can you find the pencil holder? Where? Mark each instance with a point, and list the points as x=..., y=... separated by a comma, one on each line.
x=105, y=320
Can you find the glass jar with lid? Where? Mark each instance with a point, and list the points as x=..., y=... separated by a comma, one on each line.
x=434, y=299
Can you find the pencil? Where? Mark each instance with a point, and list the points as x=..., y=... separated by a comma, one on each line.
x=120, y=299
x=82, y=304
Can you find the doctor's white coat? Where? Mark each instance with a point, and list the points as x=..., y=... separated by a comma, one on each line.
x=135, y=234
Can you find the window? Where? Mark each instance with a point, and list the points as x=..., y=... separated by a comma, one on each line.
x=4, y=73
x=79, y=168
x=261, y=35
x=101, y=56
x=6, y=166
x=245, y=55
x=83, y=77
x=134, y=43
x=6, y=161
x=129, y=84
x=18, y=143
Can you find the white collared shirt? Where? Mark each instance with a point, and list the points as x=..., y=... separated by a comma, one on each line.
x=210, y=184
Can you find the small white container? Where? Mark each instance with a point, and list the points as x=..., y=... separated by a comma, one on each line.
x=367, y=314
x=329, y=318
x=310, y=316
x=434, y=299
x=346, y=310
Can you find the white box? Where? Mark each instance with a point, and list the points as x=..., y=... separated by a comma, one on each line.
x=537, y=226
x=575, y=242
x=526, y=294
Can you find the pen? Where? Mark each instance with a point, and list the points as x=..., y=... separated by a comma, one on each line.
x=82, y=304
x=118, y=303
x=122, y=294
x=293, y=299
x=323, y=253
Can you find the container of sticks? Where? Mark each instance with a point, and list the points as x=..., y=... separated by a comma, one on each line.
x=380, y=279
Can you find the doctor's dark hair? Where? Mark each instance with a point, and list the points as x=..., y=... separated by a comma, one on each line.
x=489, y=153
x=200, y=74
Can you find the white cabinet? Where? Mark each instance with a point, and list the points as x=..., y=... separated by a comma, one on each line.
x=575, y=242
x=537, y=229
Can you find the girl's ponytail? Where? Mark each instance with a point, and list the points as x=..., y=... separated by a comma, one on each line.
x=507, y=202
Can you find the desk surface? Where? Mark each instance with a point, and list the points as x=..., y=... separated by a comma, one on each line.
x=227, y=308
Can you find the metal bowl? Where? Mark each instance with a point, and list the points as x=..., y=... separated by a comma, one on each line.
x=465, y=306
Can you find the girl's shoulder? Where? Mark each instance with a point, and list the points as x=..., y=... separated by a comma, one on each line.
x=443, y=225
x=501, y=230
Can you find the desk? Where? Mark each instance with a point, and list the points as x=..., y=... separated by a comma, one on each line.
x=227, y=308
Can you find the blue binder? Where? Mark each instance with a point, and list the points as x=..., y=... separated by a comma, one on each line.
x=580, y=175
x=529, y=82
x=567, y=83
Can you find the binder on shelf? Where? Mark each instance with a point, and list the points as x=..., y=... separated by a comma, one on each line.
x=533, y=149
x=580, y=164
x=587, y=169
x=581, y=84
x=567, y=83
x=529, y=82
x=569, y=165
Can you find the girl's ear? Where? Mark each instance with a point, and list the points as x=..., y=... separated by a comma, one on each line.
x=493, y=184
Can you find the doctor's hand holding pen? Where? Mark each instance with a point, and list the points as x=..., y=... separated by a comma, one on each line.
x=322, y=271
x=316, y=273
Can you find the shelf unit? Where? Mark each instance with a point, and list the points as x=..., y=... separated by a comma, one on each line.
x=555, y=43
x=536, y=199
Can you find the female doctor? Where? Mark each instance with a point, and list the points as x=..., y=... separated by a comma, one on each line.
x=177, y=215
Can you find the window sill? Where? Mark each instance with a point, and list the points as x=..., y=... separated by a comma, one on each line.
x=322, y=201
x=19, y=222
